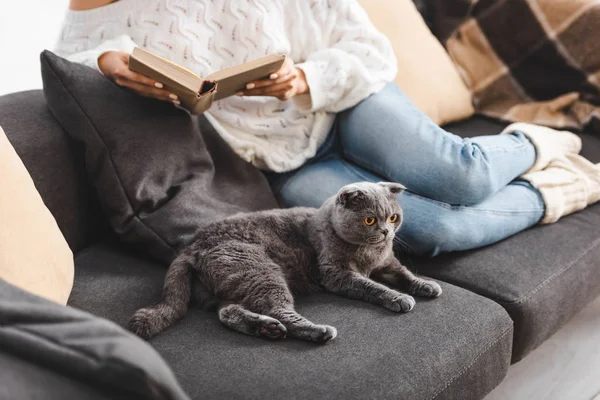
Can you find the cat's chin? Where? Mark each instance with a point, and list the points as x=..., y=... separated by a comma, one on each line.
x=378, y=240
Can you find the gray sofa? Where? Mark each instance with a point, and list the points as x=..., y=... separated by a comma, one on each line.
x=499, y=303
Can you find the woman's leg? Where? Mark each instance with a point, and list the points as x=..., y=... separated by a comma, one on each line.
x=430, y=227
x=388, y=135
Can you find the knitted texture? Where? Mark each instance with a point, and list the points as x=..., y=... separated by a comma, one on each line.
x=568, y=184
x=549, y=143
x=567, y=181
x=344, y=58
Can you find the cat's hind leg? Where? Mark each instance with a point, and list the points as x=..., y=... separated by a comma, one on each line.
x=256, y=287
x=301, y=328
x=238, y=318
x=273, y=297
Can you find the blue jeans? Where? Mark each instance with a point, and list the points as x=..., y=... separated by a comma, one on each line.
x=462, y=193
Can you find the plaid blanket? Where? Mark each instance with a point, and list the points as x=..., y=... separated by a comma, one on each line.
x=532, y=61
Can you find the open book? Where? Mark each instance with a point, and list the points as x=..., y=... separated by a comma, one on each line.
x=197, y=94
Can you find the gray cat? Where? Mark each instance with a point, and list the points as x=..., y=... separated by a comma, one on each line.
x=252, y=263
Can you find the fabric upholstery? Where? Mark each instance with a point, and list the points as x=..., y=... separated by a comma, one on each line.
x=159, y=172
x=33, y=252
x=55, y=165
x=542, y=276
x=76, y=345
x=425, y=71
x=22, y=379
x=457, y=346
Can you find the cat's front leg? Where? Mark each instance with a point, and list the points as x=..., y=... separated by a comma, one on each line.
x=397, y=275
x=353, y=285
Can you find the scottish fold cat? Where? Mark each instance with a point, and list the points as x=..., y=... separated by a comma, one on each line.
x=254, y=263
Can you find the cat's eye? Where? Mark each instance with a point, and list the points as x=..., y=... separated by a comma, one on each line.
x=369, y=221
x=394, y=218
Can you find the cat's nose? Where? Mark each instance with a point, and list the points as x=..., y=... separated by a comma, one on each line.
x=385, y=232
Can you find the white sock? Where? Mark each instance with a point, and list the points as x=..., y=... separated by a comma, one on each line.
x=568, y=184
x=591, y=175
x=549, y=143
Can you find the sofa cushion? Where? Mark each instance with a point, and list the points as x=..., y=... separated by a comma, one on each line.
x=33, y=252
x=159, y=172
x=454, y=347
x=425, y=71
x=542, y=276
x=55, y=165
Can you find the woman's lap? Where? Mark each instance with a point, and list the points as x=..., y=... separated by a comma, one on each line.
x=358, y=150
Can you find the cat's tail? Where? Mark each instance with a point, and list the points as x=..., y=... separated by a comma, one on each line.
x=177, y=291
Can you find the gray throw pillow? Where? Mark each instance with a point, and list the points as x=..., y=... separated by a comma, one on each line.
x=98, y=358
x=160, y=173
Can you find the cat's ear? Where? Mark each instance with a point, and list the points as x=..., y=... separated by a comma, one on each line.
x=394, y=188
x=350, y=195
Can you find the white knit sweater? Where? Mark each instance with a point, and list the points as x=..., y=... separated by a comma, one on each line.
x=344, y=58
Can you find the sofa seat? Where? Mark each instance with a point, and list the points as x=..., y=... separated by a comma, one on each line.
x=542, y=276
x=457, y=346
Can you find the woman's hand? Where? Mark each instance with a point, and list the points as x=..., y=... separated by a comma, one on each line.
x=115, y=65
x=284, y=84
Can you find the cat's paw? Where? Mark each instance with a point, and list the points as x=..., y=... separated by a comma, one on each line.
x=323, y=334
x=401, y=303
x=426, y=288
x=313, y=333
x=270, y=328
x=141, y=324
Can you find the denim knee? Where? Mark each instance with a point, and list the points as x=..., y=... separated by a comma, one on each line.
x=438, y=232
x=472, y=181
x=312, y=185
x=472, y=188
x=295, y=192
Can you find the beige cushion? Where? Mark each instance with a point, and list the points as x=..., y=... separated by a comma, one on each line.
x=33, y=253
x=425, y=71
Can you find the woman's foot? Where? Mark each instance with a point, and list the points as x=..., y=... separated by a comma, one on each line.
x=549, y=143
x=593, y=175
x=590, y=174
x=569, y=184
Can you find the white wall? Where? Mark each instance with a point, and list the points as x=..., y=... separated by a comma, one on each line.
x=26, y=28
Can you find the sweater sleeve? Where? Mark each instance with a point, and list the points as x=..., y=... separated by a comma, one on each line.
x=72, y=51
x=356, y=62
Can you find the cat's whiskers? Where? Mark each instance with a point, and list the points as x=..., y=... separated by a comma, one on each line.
x=402, y=243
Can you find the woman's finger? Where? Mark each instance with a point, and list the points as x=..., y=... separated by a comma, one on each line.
x=143, y=79
x=269, y=82
x=270, y=90
x=260, y=84
x=148, y=91
x=285, y=73
x=286, y=68
x=284, y=78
